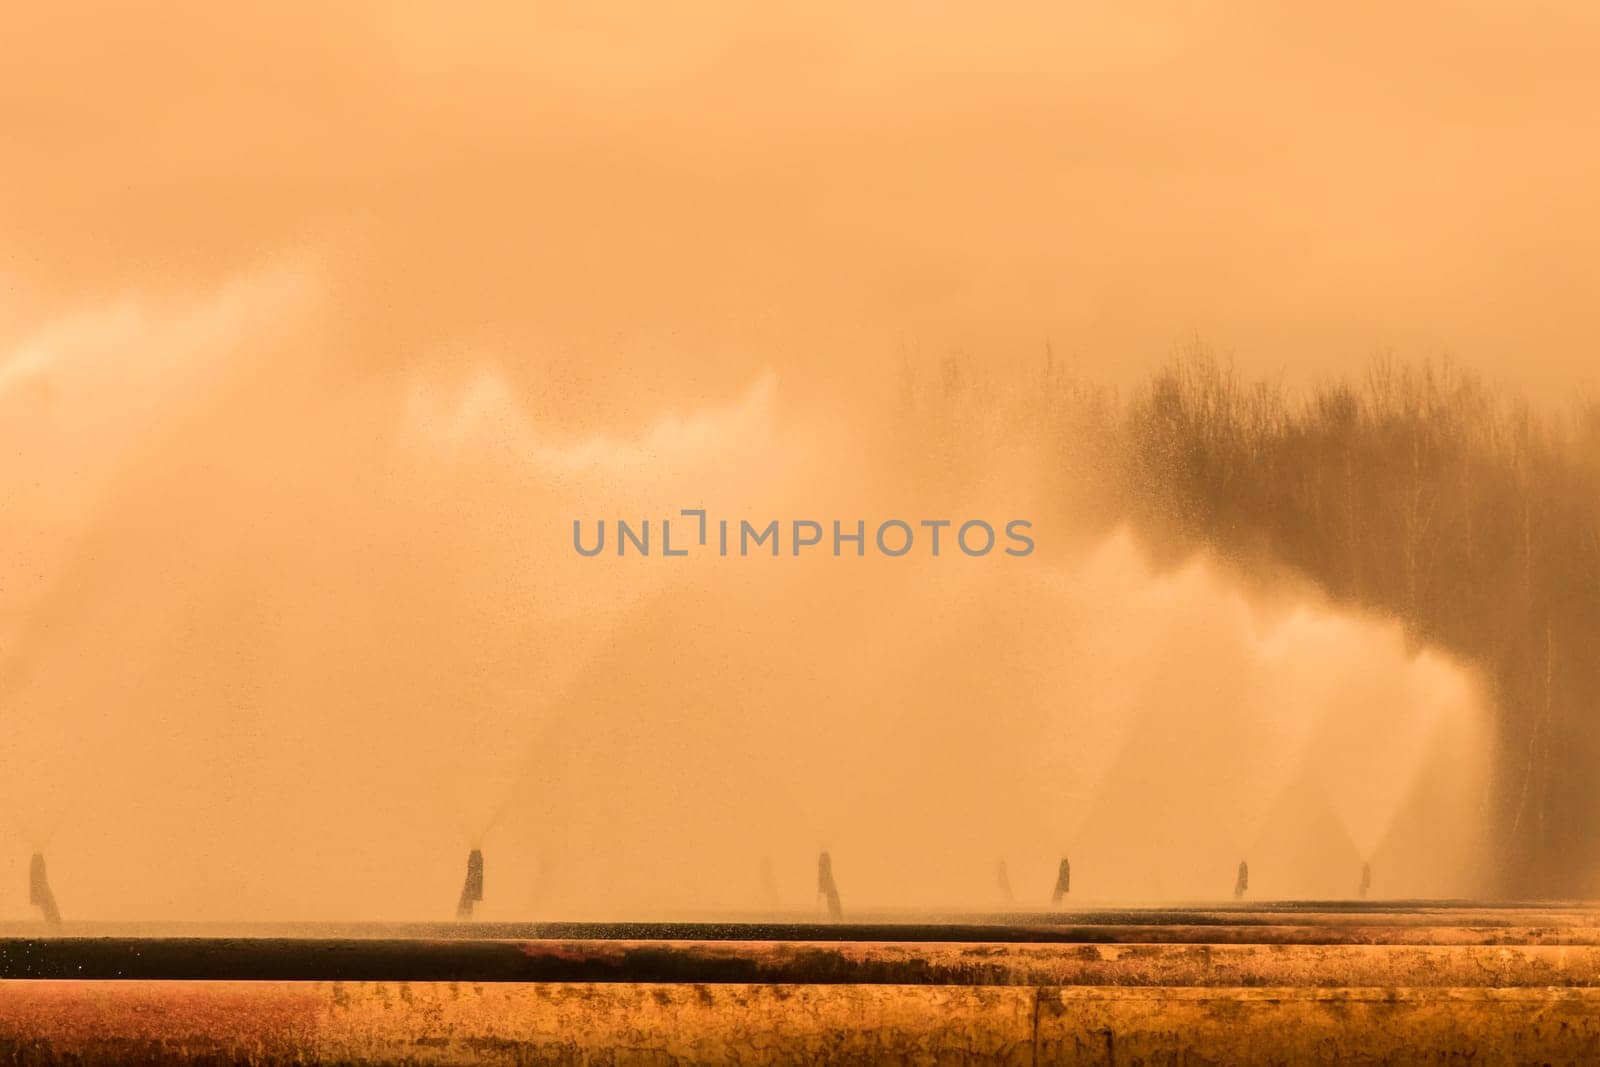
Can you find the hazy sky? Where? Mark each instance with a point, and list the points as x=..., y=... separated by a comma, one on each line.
x=613, y=199
x=320, y=323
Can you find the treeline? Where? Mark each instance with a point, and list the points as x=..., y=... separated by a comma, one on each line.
x=1415, y=489
x=1420, y=492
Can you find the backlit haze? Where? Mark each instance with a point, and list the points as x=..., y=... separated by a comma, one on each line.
x=319, y=327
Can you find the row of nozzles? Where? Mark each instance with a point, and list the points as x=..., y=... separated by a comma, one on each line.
x=41, y=897
x=828, y=887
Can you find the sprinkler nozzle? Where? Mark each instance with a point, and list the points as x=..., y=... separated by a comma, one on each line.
x=39, y=894
x=827, y=888
x=472, y=889
x=1063, y=881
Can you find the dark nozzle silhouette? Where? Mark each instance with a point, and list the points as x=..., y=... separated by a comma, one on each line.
x=827, y=888
x=1366, y=879
x=1242, y=881
x=1063, y=881
x=1003, y=879
x=472, y=890
x=39, y=894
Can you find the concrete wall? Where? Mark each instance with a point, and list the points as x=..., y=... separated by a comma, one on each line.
x=107, y=1022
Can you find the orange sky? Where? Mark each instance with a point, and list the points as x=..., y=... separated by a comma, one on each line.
x=319, y=324
x=624, y=199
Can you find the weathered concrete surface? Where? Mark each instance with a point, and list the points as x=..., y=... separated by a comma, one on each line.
x=280, y=1022
x=1422, y=983
x=1334, y=1026
x=512, y=1023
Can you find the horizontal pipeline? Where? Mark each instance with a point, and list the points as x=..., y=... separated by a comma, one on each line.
x=756, y=962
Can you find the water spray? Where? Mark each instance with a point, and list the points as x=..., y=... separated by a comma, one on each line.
x=826, y=887
x=472, y=889
x=1241, y=882
x=1063, y=881
x=39, y=894
x=542, y=879
x=769, y=885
